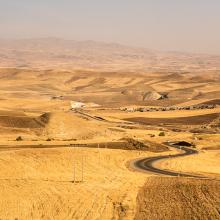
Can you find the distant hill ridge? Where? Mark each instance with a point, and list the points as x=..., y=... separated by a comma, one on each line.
x=55, y=52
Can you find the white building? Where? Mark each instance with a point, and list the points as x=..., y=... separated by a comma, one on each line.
x=75, y=105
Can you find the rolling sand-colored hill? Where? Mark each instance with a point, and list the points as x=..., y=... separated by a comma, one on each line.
x=104, y=88
x=57, y=126
x=70, y=126
x=135, y=101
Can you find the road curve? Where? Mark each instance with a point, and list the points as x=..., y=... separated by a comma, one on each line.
x=146, y=164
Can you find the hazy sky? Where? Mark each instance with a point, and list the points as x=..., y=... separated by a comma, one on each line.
x=184, y=25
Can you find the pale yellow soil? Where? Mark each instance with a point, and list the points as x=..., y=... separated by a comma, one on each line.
x=166, y=114
x=179, y=199
x=206, y=163
x=37, y=184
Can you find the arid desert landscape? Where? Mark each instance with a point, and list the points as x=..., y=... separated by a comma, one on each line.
x=93, y=131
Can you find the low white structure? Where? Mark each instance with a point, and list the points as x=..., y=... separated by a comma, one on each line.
x=76, y=105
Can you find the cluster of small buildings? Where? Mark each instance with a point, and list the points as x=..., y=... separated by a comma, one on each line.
x=172, y=108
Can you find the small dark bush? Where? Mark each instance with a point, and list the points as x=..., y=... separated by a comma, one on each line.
x=152, y=135
x=162, y=134
x=19, y=138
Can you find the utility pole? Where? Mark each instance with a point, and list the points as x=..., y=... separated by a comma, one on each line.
x=82, y=170
x=74, y=169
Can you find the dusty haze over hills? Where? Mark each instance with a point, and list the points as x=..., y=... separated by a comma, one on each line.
x=164, y=25
x=47, y=53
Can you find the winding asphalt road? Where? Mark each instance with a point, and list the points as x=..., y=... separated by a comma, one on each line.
x=147, y=164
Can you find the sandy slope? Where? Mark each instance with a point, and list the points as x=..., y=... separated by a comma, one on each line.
x=68, y=125
x=36, y=184
x=35, y=104
x=37, y=88
x=178, y=198
x=207, y=163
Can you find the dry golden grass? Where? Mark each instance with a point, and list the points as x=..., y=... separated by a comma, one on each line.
x=37, y=184
x=178, y=198
x=206, y=163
